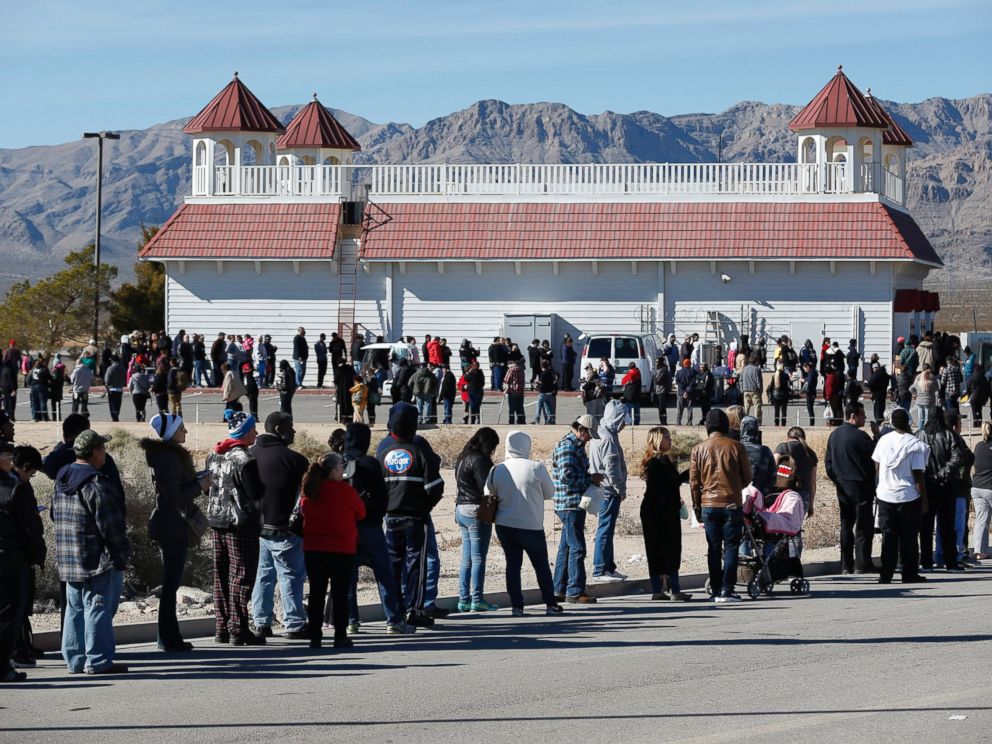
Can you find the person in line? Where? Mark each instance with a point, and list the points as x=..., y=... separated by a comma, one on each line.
x=661, y=381
x=778, y=393
x=833, y=394
x=959, y=488
x=568, y=359
x=344, y=380
x=475, y=386
x=22, y=546
x=81, y=380
x=760, y=457
x=301, y=352
x=924, y=390
x=251, y=388
x=849, y=467
x=718, y=472
x=514, y=383
x=593, y=395
x=425, y=387
x=606, y=456
x=978, y=390
x=140, y=388
x=571, y=477
x=631, y=387
x=943, y=475
x=981, y=495
x=471, y=473
x=547, y=389
x=900, y=460
x=751, y=383
x=810, y=379
x=685, y=384
x=661, y=521
x=804, y=460
x=365, y=475
x=878, y=385
x=233, y=513
x=320, y=355
x=280, y=552
x=232, y=389
x=446, y=393
x=40, y=382
x=286, y=386
x=704, y=389
x=57, y=389
x=904, y=381
x=176, y=384
x=521, y=486
x=415, y=486
x=176, y=488
x=950, y=383
x=331, y=512
x=91, y=552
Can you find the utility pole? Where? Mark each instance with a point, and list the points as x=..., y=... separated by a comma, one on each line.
x=99, y=137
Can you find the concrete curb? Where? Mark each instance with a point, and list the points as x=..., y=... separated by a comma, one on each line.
x=203, y=627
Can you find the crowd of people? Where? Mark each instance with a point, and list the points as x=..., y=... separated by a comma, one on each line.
x=275, y=517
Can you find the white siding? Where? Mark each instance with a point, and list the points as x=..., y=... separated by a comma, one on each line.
x=853, y=303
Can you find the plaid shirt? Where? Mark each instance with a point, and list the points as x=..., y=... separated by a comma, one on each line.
x=90, y=529
x=950, y=381
x=570, y=472
x=514, y=380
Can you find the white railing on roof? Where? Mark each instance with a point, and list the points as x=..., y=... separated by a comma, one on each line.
x=661, y=179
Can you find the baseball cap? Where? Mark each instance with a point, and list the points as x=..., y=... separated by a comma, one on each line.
x=588, y=421
x=87, y=441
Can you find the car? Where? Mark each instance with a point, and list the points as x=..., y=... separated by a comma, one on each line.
x=368, y=357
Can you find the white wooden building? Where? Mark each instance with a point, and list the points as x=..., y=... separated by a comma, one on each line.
x=281, y=230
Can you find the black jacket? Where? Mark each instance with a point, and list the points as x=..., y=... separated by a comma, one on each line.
x=662, y=380
x=471, y=472
x=878, y=383
x=301, y=349
x=475, y=379
x=367, y=477
x=410, y=466
x=63, y=455
x=21, y=530
x=448, y=386
x=848, y=457
x=176, y=486
x=280, y=470
x=547, y=383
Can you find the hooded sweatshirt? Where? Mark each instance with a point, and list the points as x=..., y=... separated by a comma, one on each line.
x=606, y=454
x=520, y=485
x=411, y=468
x=90, y=527
x=898, y=454
x=761, y=458
x=366, y=475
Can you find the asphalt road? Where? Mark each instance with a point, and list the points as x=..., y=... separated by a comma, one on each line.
x=854, y=661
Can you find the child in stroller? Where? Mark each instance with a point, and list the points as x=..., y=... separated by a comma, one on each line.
x=775, y=534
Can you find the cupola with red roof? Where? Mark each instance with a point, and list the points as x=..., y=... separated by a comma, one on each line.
x=840, y=138
x=235, y=129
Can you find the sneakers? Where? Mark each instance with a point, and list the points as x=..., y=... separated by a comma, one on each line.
x=300, y=634
x=517, y=612
x=400, y=628
x=613, y=575
x=464, y=606
x=264, y=631
x=354, y=628
x=109, y=669
x=660, y=597
x=728, y=599
x=483, y=607
x=681, y=596
x=581, y=599
x=554, y=610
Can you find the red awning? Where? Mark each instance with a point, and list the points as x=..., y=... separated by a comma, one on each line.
x=906, y=300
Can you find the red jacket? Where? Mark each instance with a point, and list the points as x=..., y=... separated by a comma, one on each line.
x=633, y=375
x=434, y=353
x=330, y=521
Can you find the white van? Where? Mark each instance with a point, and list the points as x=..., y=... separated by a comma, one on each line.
x=621, y=349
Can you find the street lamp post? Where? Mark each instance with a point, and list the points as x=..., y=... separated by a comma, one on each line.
x=99, y=137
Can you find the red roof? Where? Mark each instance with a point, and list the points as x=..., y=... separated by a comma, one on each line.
x=893, y=134
x=839, y=104
x=315, y=126
x=247, y=231
x=664, y=231
x=234, y=109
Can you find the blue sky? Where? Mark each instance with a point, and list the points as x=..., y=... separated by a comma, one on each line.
x=69, y=66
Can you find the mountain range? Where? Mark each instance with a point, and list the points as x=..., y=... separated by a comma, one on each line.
x=47, y=193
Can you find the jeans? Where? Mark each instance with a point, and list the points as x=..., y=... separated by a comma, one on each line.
x=661, y=400
x=544, y=407
x=515, y=543
x=81, y=403
x=951, y=404
x=201, y=372
x=475, y=546
x=334, y=569
x=88, y=633
x=570, y=565
x=609, y=512
x=982, y=498
x=448, y=402
x=723, y=536
x=942, y=513
x=286, y=403
x=374, y=553
x=39, y=403
x=407, y=538
x=474, y=404
x=114, y=400
x=810, y=402
x=516, y=404
x=300, y=365
x=218, y=376
x=498, y=372
x=279, y=558
x=683, y=403
x=900, y=526
x=922, y=415
x=857, y=525
x=632, y=413
x=960, y=519
x=173, y=563
x=433, y=565
x=423, y=409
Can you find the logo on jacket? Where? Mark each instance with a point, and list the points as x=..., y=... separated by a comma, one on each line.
x=398, y=461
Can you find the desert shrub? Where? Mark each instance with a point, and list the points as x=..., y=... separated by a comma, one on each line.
x=822, y=530
x=447, y=443
x=309, y=446
x=629, y=523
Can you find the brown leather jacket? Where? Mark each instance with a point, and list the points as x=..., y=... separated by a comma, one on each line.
x=718, y=472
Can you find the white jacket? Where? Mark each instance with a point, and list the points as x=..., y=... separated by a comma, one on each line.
x=521, y=486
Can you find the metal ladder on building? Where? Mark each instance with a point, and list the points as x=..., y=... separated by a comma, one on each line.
x=712, y=331
x=347, y=287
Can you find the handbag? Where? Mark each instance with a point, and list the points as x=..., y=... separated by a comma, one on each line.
x=295, y=524
x=196, y=524
x=592, y=499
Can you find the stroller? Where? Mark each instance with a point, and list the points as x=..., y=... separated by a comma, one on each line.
x=775, y=536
